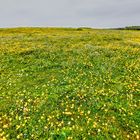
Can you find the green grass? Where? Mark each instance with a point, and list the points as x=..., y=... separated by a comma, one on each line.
x=76, y=84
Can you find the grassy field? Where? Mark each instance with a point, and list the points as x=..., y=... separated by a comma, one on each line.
x=69, y=84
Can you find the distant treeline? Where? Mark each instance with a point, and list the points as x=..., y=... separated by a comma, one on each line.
x=129, y=28
x=121, y=28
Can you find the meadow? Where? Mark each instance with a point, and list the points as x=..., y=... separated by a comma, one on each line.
x=69, y=84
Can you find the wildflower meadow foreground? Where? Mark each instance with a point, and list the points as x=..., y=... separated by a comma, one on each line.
x=69, y=84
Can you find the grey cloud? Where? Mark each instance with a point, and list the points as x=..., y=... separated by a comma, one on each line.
x=70, y=13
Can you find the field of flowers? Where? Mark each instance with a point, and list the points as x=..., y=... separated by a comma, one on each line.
x=69, y=84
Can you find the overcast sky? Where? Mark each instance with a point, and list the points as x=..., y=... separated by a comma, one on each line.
x=69, y=13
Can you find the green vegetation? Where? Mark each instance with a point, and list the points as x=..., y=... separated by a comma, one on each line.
x=129, y=28
x=133, y=28
x=69, y=84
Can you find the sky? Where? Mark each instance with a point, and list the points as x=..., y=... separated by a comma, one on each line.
x=69, y=13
